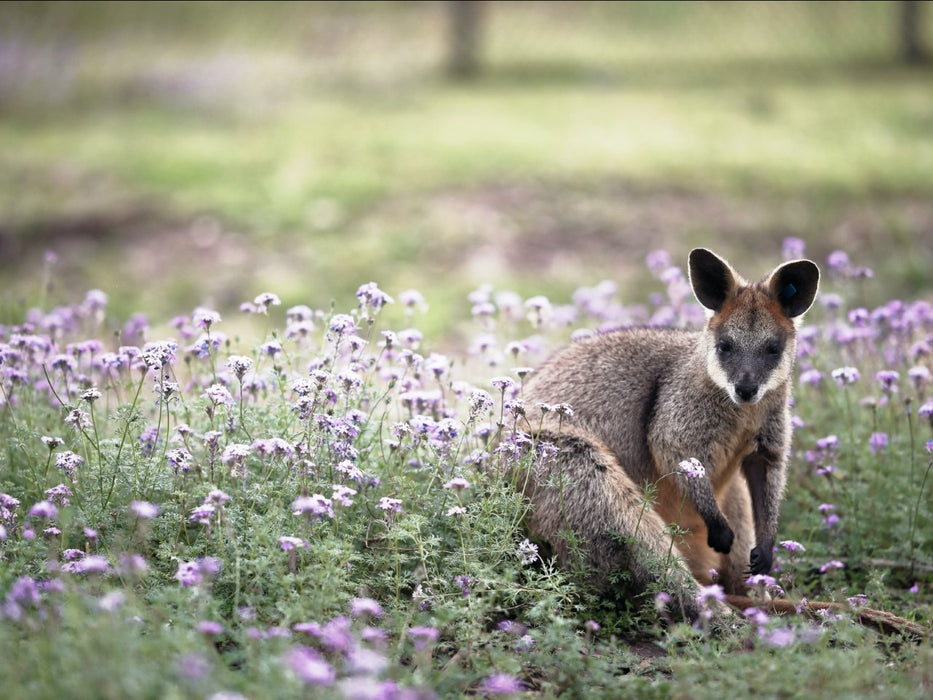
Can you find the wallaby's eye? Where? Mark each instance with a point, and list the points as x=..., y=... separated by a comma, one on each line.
x=773, y=348
x=724, y=346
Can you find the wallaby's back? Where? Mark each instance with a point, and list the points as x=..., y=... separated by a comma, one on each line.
x=615, y=382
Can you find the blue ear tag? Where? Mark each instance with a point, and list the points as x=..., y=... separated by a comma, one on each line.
x=788, y=292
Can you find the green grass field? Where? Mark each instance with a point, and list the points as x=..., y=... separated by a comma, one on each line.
x=188, y=533
x=210, y=152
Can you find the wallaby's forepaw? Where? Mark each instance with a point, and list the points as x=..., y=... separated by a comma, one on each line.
x=761, y=560
x=720, y=536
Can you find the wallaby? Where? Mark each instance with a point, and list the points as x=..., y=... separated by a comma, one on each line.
x=645, y=400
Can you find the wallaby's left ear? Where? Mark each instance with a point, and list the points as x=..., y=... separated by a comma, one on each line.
x=794, y=286
x=712, y=278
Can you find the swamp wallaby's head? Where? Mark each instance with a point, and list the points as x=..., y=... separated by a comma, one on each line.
x=750, y=339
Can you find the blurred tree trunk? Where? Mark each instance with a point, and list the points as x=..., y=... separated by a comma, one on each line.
x=465, y=19
x=911, y=45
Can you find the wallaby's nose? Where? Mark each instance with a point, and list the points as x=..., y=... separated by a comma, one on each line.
x=746, y=389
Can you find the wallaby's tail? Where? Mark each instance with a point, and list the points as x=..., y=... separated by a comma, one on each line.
x=581, y=489
x=879, y=620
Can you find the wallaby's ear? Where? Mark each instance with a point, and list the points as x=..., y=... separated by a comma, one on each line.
x=712, y=278
x=794, y=286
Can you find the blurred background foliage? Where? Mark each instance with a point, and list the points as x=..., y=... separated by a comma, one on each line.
x=183, y=153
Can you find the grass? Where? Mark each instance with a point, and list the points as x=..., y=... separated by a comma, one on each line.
x=207, y=515
x=324, y=163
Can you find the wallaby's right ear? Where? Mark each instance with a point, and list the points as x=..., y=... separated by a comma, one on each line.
x=712, y=278
x=794, y=285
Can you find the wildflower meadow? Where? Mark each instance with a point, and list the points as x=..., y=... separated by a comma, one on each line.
x=295, y=502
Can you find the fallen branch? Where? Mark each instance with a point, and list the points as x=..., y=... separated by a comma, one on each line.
x=883, y=622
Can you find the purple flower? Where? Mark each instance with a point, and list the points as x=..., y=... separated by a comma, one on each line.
x=60, y=495
x=423, y=635
x=144, y=509
x=264, y=301
x=527, y=552
x=203, y=514
x=91, y=395
x=792, y=546
x=216, y=497
x=457, y=484
x=235, y=454
x=389, y=504
x=219, y=395
x=343, y=495
x=93, y=564
x=692, y=468
x=371, y=296
x=831, y=564
x=362, y=607
x=811, y=376
x=412, y=298
x=22, y=598
x=52, y=442
x=188, y=574
x=503, y=384
x=756, y=616
x=68, y=462
x=192, y=573
x=180, y=459
x=109, y=602
x=44, y=509
x=830, y=442
x=8, y=506
x=919, y=375
x=456, y=511
x=480, y=402
x=192, y=666
x=310, y=667
x=314, y=507
x=878, y=442
x=846, y=375
x=273, y=446
x=857, y=601
x=205, y=318
x=239, y=365
x=500, y=684
x=132, y=565
x=289, y=543
x=209, y=627
x=888, y=379
x=778, y=637
x=705, y=594
x=78, y=419
x=763, y=583
x=838, y=261
x=335, y=635
x=340, y=324
x=792, y=248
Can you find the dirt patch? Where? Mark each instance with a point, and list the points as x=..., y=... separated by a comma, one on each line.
x=536, y=229
x=539, y=232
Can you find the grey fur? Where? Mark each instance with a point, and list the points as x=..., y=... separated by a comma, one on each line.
x=646, y=399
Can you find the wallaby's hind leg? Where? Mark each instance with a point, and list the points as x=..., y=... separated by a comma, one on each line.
x=583, y=489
